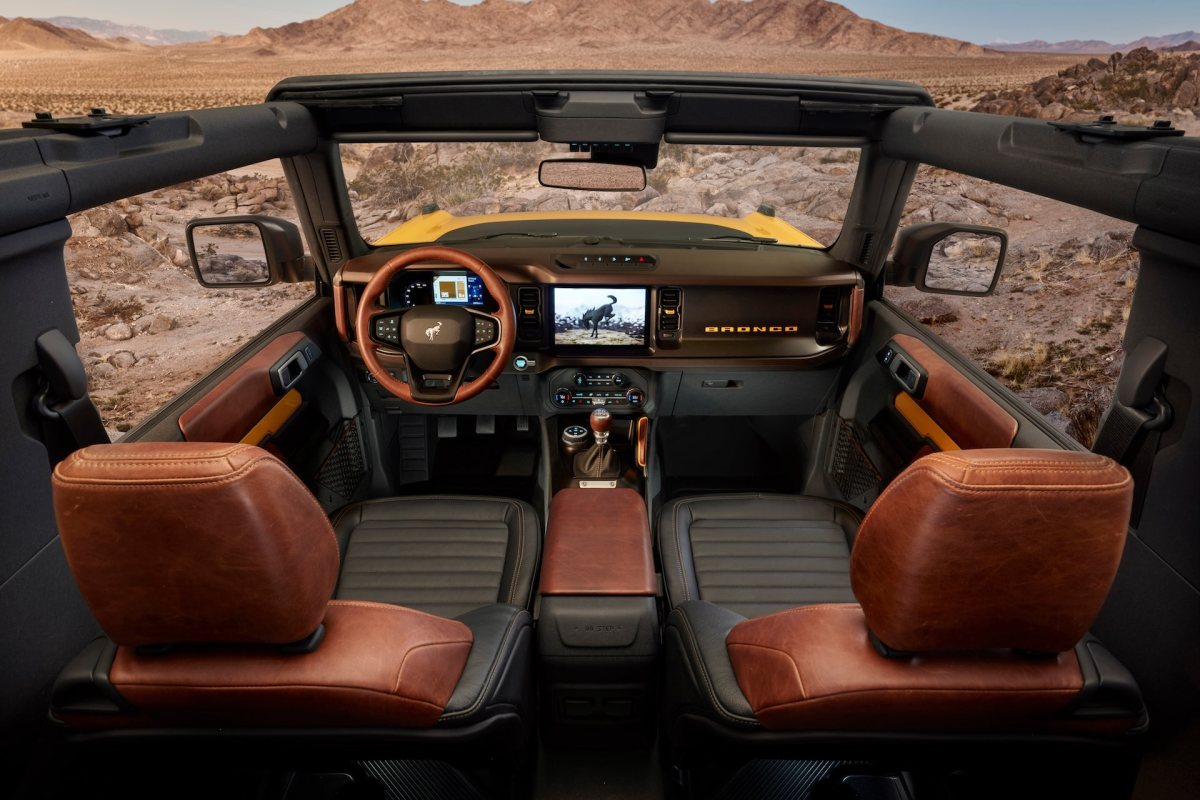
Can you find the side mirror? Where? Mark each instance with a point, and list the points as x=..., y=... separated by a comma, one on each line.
x=948, y=258
x=591, y=176
x=246, y=251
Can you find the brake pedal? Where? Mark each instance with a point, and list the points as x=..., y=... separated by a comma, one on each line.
x=448, y=427
x=485, y=424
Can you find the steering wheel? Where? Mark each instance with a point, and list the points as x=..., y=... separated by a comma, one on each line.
x=438, y=341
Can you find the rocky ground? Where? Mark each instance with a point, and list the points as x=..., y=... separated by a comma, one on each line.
x=808, y=187
x=1052, y=330
x=1137, y=87
x=147, y=328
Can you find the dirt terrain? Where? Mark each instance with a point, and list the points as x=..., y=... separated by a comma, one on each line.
x=1052, y=331
x=147, y=328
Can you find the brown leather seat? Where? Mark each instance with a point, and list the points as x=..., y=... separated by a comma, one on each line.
x=977, y=574
x=210, y=568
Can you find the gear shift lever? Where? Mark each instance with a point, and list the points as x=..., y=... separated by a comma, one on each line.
x=600, y=460
x=601, y=423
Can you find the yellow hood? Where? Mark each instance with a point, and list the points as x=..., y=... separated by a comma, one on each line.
x=434, y=225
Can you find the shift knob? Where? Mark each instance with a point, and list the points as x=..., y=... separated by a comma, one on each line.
x=601, y=421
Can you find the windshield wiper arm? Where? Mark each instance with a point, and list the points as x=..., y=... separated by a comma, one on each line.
x=736, y=237
x=498, y=236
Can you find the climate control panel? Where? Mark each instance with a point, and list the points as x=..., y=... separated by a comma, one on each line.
x=597, y=387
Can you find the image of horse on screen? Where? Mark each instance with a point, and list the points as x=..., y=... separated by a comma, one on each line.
x=603, y=316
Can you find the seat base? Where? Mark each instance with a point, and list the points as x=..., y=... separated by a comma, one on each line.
x=757, y=553
x=439, y=554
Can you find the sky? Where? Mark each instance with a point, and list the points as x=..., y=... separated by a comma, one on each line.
x=974, y=20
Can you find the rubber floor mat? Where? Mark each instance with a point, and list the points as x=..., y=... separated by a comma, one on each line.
x=767, y=779
x=418, y=780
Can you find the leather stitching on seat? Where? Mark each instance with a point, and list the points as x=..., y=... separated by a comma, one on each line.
x=266, y=460
x=703, y=669
x=485, y=690
x=512, y=586
x=505, y=520
x=687, y=506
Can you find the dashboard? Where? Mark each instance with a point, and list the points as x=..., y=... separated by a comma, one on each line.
x=706, y=323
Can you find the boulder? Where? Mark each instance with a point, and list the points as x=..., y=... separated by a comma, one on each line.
x=118, y=332
x=1053, y=111
x=122, y=359
x=107, y=220
x=930, y=310
x=103, y=370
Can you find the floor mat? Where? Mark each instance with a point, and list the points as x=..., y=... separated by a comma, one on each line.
x=499, y=464
x=764, y=779
x=417, y=780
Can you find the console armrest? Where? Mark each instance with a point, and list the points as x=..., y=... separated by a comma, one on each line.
x=598, y=543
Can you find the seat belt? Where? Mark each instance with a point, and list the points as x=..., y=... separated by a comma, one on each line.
x=63, y=399
x=1130, y=430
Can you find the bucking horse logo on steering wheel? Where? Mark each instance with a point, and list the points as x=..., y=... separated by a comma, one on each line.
x=431, y=333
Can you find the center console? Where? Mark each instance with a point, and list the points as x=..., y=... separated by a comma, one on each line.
x=598, y=628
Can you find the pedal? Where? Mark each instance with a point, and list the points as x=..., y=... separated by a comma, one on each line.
x=448, y=427
x=485, y=424
x=523, y=424
x=414, y=448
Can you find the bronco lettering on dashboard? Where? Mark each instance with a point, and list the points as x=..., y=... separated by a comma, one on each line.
x=751, y=328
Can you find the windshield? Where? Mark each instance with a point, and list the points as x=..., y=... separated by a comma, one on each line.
x=787, y=195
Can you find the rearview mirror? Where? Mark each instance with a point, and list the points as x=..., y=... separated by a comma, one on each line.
x=591, y=176
x=241, y=251
x=948, y=258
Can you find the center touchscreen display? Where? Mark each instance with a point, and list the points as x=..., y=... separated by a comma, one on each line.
x=602, y=317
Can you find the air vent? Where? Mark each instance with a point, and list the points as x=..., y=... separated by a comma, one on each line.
x=529, y=313
x=332, y=244
x=670, y=311
x=829, y=312
x=867, y=250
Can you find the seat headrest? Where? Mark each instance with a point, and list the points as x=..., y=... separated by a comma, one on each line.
x=194, y=542
x=989, y=549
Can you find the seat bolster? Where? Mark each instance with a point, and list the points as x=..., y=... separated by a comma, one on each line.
x=675, y=553
x=499, y=671
x=700, y=676
x=814, y=668
x=379, y=665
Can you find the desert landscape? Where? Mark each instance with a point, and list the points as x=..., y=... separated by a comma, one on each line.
x=1052, y=331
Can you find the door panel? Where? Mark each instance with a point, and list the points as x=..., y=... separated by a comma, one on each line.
x=236, y=405
x=288, y=392
x=883, y=424
x=969, y=418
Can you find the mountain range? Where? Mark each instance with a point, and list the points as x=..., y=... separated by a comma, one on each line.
x=391, y=24
x=107, y=29
x=388, y=24
x=36, y=34
x=807, y=24
x=1173, y=41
